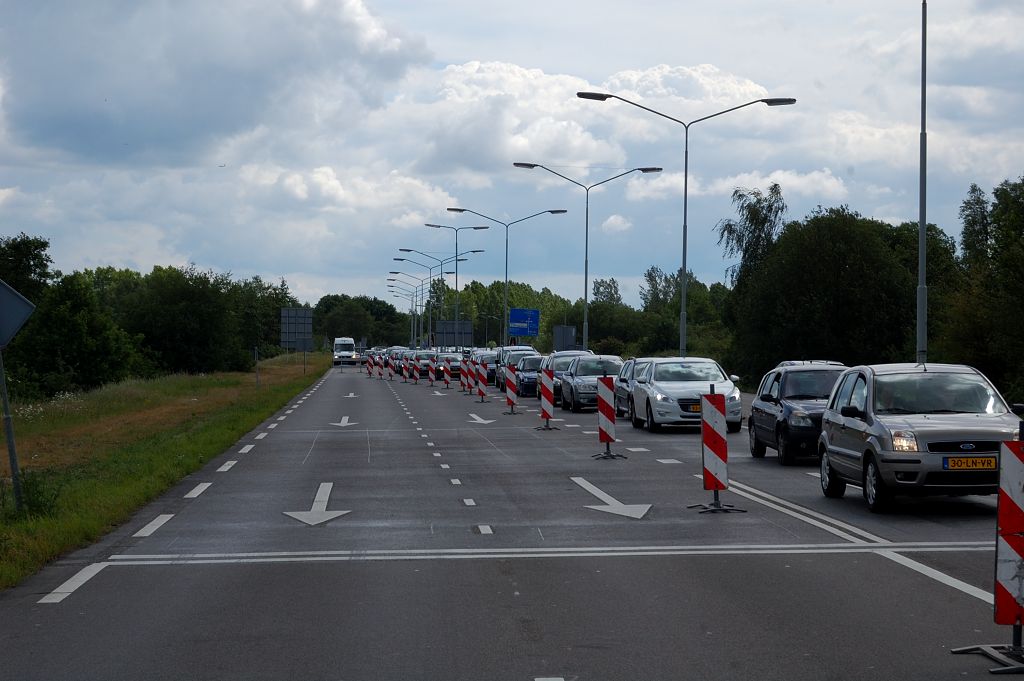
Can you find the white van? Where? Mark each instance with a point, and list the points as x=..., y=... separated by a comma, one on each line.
x=345, y=351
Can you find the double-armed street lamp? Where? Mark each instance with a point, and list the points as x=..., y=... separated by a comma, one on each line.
x=770, y=101
x=442, y=261
x=586, y=232
x=457, y=292
x=506, y=225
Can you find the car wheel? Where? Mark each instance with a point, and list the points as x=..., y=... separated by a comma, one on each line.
x=731, y=427
x=636, y=423
x=757, y=448
x=652, y=425
x=831, y=485
x=783, y=448
x=875, y=491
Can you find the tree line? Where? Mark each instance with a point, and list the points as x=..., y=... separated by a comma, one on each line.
x=832, y=285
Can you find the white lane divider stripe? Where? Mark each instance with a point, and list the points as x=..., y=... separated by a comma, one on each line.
x=938, y=576
x=570, y=425
x=485, y=529
x=667, y=460
x=281, y=418
x=469, y=502
x=638, y=449
x=272, y=425
x=246, y=449
x=198, y=489
x=69, y=587
x=153, y=526
x=226, y=467
x=445, y=466
x=456, y=481
x=261, y=436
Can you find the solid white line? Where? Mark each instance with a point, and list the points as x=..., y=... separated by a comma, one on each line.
x=550, y=678
x=469, y=502
x=198, y=489
x=667, y=460
x=68, y=587
x=226, y=467
x=153, y=526
x=246, y=449
x=939, y=576
x=637, y=449
x=261, y=436
x=272, y=425
x=813, y=514
x=485, y=529
x=456, y=481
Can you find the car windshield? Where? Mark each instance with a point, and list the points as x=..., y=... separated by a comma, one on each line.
x=344, y=347
x=531, y=363
x=426, y=355
x=687, y=371
x=514, y=357
x=562, y=363
x=598, y=367
x=810, y=385
x=935, y=393
x=487, y=359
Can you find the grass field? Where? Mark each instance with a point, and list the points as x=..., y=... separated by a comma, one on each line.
x=89, y=460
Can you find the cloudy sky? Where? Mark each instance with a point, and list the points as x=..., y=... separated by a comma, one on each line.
x=310, y=139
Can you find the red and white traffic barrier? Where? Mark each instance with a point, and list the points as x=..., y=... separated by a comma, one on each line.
x=1009, y=589
x=481, y=380
x=414, y=369
x=447, y=372
x=432, y=371
x=405, y=370
x=511, y=382
x=471, y=377
x=547, y=397
x=369, y=367
x=391, y=369
x=715, y=449
x=606, y=417
x=380, y=368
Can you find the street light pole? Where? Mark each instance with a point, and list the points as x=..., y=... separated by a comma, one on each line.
x=506, y=225
x=922, y=227
x=770, y=101
x=586, y=232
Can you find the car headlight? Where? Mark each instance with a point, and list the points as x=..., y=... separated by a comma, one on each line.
x=904, y=441
x=800, y=419
x=734, y=396
x=661, y=397
x=557, y=382
x=587, y=388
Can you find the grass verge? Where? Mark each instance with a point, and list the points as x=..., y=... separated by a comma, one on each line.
x=89, y=461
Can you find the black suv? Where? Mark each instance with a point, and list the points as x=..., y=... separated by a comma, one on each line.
x=786, y=411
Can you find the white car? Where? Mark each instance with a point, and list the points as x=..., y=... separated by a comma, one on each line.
x=668, y=390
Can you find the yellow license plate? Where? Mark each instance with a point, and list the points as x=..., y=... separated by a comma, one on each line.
x=695, y=407
x=969, y=463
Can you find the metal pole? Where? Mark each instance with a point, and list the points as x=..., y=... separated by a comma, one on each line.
x=922, y=228
x=586, y=272
x=505, y=322
x=256, y=357
x=12, y=454
x=458, y=320
x=683, y=279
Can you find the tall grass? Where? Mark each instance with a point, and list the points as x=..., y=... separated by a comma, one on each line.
x=91, y=460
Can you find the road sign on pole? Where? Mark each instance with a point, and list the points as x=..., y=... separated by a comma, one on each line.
x=523, y=322
x=15, y=310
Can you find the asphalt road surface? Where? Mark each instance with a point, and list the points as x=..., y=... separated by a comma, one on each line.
x=377, y=530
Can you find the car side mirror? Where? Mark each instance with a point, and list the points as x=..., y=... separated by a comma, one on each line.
x=767, y=398
x=849, y=411
x=641, y=380
x=1017, y=409
x=734, y=378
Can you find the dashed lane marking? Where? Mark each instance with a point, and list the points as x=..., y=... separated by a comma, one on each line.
x=261, y=436
x=637, y=449
x=198, y=489
x=668, y=460
x=485, y=529
x=246, y=449
x=469, y=502
x=456, y=481
x=226, y=467
x=154, y=525
x=69, y=587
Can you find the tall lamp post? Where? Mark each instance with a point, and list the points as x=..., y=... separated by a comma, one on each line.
x=770, y=101
x=555, y=211
x=442, y=261
x=418, y=286
x=586, y=232
x=458, y=320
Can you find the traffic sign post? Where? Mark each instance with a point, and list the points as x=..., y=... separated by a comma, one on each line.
x=15, y=310
x=714, y=451
x=523, y=322
x=1009, y=582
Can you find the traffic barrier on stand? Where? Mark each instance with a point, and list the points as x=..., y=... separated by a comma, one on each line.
x=481, y=380
x=462, y=375
x=369, y=367
x=547, y=398
x=414, y=369
x=511, y=393
x=714, y=451
x=405, y=370
x=380, y=368
x=1009, y=585
x=391, y=369
x=471, y=377
x=447, y=373
x=606, y=417
x=432, y=370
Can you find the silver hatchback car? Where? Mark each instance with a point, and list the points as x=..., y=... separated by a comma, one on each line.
x=914, y=429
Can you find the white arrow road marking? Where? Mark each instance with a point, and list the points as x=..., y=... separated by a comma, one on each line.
x=477, y=419
x=344, y=423
x=350, y=395
x=318, y=513
x=635, y=511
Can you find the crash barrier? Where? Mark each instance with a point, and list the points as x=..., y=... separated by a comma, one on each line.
x=511, y=382
x=714, y=451
x=447, y=372
x=481, y=380
x=547, y=398
x=1009, y=582
x=432, y=371
x=606, y=417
